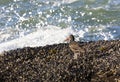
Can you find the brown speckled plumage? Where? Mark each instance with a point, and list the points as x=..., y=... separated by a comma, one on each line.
x=75, y=46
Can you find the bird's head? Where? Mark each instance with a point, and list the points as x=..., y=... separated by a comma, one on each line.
x=70, y=38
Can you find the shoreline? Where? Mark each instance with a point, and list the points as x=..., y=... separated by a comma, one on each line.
x=51, y=63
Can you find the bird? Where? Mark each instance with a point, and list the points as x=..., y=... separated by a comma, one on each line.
x=74, y=46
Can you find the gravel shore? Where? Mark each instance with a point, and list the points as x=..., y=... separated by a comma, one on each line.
x=55, y=63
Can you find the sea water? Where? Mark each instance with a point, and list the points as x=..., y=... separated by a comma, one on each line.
x=31, y=23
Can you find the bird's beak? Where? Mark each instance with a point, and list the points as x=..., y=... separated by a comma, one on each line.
x=67, y=39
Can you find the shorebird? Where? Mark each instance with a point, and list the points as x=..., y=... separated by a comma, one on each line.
x=74, y=46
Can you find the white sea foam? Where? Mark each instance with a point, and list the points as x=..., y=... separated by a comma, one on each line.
x=69, y=1
x=41, y=37
x=54, y=35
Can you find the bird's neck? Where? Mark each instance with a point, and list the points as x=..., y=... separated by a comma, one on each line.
x=71, y=41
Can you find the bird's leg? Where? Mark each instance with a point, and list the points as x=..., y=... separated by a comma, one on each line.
x=76, y=55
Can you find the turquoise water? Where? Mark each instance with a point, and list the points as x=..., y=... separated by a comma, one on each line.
x=43, y=22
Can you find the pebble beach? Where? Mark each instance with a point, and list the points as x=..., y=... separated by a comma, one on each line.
x=55, y=63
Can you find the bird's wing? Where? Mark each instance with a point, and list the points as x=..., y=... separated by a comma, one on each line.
x=74, y=46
